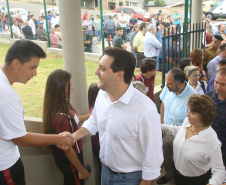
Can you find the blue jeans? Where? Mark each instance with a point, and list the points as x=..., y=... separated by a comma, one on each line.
x=112, y=33
x=112, y=178
x=98, y=34
x=159, y=65
x=133, y=52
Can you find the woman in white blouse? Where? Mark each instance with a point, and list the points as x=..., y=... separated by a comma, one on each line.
x=196, y=148
x=193, y=75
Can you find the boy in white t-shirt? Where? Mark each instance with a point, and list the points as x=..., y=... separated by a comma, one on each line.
x=21, y=62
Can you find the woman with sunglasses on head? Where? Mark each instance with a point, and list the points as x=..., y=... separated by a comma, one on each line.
x=196, y=148
x=193, y=75
x=59, y=116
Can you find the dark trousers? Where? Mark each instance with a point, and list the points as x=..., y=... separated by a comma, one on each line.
x=66, y=167
x=199, y=180
x=124, y=35
x=112, y=33
x=140, y=56
x=15, y=174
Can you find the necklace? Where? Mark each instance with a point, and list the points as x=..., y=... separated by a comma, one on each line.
x=196, y=133
x=191, y=132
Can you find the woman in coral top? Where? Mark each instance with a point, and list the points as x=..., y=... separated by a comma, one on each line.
x=58, y=116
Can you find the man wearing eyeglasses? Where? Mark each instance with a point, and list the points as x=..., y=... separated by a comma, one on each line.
x=218, y=95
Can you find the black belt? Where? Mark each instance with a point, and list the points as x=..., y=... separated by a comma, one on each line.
x=140, y=52
x=116, y=173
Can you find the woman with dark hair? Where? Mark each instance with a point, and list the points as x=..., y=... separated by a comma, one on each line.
x=197, y=56
x=92, y=95
x=196, y=148
x=58, y=116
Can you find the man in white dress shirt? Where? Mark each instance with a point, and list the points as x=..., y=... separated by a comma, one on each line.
x=128, y=124
x=123, y=21
x=151, y=44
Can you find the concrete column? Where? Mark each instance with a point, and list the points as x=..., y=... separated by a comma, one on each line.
x=196, y=17
x=74, y=62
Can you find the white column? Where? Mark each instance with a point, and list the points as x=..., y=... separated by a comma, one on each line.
x=74, y=62
x=196, y=17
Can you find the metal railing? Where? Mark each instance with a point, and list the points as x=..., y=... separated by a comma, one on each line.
x=177, y=44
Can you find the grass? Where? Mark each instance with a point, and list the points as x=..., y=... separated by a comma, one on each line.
x=33, y=92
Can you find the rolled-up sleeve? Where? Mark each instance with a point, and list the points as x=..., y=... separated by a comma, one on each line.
x=91, y=124
x=150, y=136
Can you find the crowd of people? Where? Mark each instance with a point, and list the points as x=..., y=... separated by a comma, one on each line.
x=131, y=140
x=32, y=28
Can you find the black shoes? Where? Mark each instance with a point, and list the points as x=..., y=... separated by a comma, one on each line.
x=163, y=180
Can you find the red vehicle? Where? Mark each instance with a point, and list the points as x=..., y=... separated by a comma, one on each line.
x=139, y=13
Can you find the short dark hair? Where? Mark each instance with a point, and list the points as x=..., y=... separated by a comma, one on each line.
x=119, y=28
x=178, y=75
x=57, y=25
x=123, y=61
x=184, y=62
x=148, y=19
x=204, y=106
x=142, y=26
x=163, y=23
x=223, y=47
x=221, y=71
x=109, y=17
x=49, y=11
x=31, y=15
x=222, y=62
x=23, y=50
x=43, y=17
x=147, y=64
x=167, y=25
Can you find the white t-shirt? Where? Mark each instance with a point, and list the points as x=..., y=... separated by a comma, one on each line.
x=54, y=21
x=122, y=18
x=11, y=123
x=16, y=30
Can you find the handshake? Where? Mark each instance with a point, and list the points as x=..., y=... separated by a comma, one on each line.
x=66, y=140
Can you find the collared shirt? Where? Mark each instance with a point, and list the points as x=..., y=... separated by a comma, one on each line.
x=212, y=67
x=16, y=30
x=54, y=21
x=211, y=53
x=219, y=33
x=176, y=22
x=11, y=123
x=196, y=155
x=175, y=106
x=109, y=25
x=210, y=85
x=139, y=42
x=117, y=41
x=122, y=18
x=129, y=131
x=151, y=45
x=199, y=87
x=32, y=25
x=220, y=122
